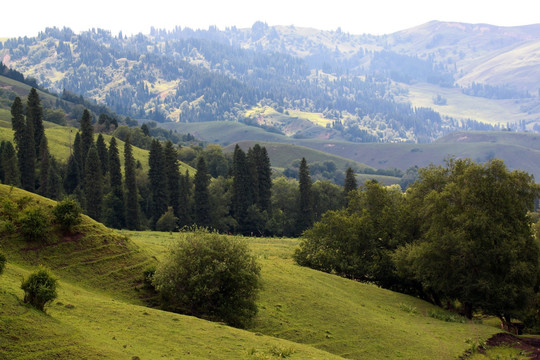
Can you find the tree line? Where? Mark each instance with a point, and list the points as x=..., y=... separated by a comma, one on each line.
x=239, y=194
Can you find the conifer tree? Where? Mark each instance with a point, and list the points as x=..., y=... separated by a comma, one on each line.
x=114, y=202
x=87, y=135
x=184, y=213
x=24, y=140
x=242, y=193
x=44, y=165
x=305, y=203
x=77, y=152
x=18, y=123
x=34, y=113
x=201, y=195
x=103, y=154
x=10, y=169
x=93, y=184
x=132, y=204
x=158, y=182
x=350, y=183
x=54, y=182
x=253, y=179
x=172, y=174
x=264, y=177
x=73, y=177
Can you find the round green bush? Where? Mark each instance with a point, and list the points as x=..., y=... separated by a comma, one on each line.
x=67, y=213
x=40, y=288
x=210, y=276
x=34, y=223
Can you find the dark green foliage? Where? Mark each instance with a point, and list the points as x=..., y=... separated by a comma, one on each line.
x=24, y=139
x=67, y=213
x=201, y=197
x=77, y=154
x=172, y=175
x=54, y=181
x=243, y=188
x=264, y=177
x=40, y=288
x=114, y=212
x=102, y=154
x=132, y=205
x=72, y=178
x=10, y=170
x=158, y=182
x=167, y=221
x=357, y=242
x=44, y=165
x=305, y=200
x=472, y=235
x=210, y=276
x=3, y=261
x=93, y=184
x=185, y=197
x=326, y=196
x=18, y=122
x=87, y=134
x=350, y=181
x=34, y=113
x=34, y=223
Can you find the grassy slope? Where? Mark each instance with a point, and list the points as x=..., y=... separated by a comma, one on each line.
x=343, y=317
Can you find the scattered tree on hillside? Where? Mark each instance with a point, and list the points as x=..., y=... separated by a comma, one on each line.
x=93, y=184
x=40, y=288
x=34, y=113
x=87, y=135
x=10, y=169
x=132, y=204
x=350, y=181
x=172, y=174
x=305, y=200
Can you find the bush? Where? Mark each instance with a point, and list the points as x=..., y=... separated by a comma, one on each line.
x=34, y=222
x=39, y=288
x=67, y=213
x=167, y=221
x=211, y=276
x=2, y=263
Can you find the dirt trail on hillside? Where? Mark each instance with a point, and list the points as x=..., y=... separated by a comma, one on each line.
x=529, y=344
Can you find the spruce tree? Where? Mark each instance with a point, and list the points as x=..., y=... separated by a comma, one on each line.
x=87, y=134
x=34, y=113
x=10, y=169
x=73, y=176
x=114, y=202
x=201, y=195
x=264, y=177
x=350, y=183
x=158, y=182
x=103, y=154
x=77, y=153
x=184, y=211
x=24, y=139
x=44, y=165
x=132, y=204
x=172, y=174
x=305, y=203
x=93, y=184
x=242, y=193
x=17, y=122
x=54, y=182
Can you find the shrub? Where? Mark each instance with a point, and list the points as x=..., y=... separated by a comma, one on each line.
x=67, y=213
x=2, y=262
x=211, y=276
x=39, y=288
x=167, y=221
x=34, y=222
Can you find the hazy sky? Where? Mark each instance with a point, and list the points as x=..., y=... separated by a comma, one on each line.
x=357, y=17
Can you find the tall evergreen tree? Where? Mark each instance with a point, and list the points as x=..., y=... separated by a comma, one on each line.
x=132, y=204
x=114, y=202
x=93, y=184
x=77, y=153
x=18, y=122
x=264, y=177
x=73, y=177
x=44, y=165
x=184, y=211
x=201, y=195
x=10, y=169
x=158, y=182
x=242, y=189
x=103, y=154
x=350, y=184
x=54, y=182
x=87, y=134
x=24, y=139
x=305, y=203
x=172, y=174
x=253, y=181
x=34, y=113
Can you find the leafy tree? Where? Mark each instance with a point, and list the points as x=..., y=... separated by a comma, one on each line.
x=220, y=203
x=67, y=213
x=40, y=288
x=305, y=201
x=93, y=184
x=284, y=207
x=201, y=197
x=34, y=113
x=473, y=239
x=211, y=276
x=326, y=196
x=167, y=221
x=132, y=204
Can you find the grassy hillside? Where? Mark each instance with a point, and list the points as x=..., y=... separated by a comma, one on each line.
x=303, y=314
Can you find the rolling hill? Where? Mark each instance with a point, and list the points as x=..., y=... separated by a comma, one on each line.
x=302, y=313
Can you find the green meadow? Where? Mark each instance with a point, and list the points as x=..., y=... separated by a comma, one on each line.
x=303, y=314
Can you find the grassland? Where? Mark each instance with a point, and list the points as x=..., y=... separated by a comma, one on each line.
x=303, y=314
